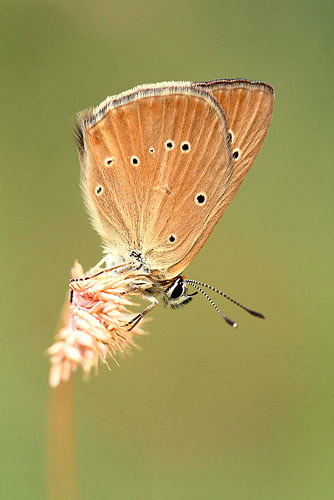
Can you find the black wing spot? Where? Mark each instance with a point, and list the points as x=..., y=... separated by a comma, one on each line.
x=135, y=160
x=151, y=150
x=169, y=144
x=172, y=238
x=98, y=190
x=236, y=154
x=231, y=136
x=109, y=161
x=200, y=199
x=185, y=146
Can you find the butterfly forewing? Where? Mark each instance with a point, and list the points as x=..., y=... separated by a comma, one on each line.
x=248, y=107
x=156, y=163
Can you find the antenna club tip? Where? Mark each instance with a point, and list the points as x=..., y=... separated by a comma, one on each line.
x=230, y=322
x=257, y=314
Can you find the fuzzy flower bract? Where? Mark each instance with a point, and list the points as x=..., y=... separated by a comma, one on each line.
x=93, y=323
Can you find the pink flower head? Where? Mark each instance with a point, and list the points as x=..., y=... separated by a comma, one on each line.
x=95, y=322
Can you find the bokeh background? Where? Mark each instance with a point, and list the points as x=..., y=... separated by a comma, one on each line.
x=203, y=411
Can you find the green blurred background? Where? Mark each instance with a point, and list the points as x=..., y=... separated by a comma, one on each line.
x=203, y=411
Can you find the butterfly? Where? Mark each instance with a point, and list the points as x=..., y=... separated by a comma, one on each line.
x=160, y=163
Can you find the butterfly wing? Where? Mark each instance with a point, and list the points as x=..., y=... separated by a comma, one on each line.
x=248, y=107
x=156, y=162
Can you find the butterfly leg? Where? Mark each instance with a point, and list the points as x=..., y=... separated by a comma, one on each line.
x=134, y=321
x=106, y=262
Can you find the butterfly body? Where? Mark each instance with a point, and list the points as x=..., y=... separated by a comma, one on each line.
x=160, y=164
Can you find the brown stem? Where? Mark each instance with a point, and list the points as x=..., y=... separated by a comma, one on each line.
x=62, y=480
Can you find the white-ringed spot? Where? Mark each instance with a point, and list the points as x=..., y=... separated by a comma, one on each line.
x=135, y=161
x=169, y=144
x=231, y=136
x=200, y=198
x=236, y=153
x=185, y=146
x=98, y=190
x=109, y=161
x=151, y=150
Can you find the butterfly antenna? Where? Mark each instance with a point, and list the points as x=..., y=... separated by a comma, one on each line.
x=250, y=311
x=228, y=320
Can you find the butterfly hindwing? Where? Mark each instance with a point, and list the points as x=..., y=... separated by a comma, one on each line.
x=248, y=107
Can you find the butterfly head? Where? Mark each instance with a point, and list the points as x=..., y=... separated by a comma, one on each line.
x=175, y=293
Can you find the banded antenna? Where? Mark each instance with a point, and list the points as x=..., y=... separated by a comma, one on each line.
x=228, y=320
x=195, y=284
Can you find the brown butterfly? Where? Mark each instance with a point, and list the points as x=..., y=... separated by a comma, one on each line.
x=160, y=164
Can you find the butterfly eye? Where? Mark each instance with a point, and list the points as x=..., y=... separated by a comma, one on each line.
x=172, y=238
x=135, y=160
x=98, y=190
x=185, y=146
x=200, y=199
x=169, y=144
x=176, y=289
x=231, y=136
x=151, y=150
x=236, y=153
x=109, y=161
